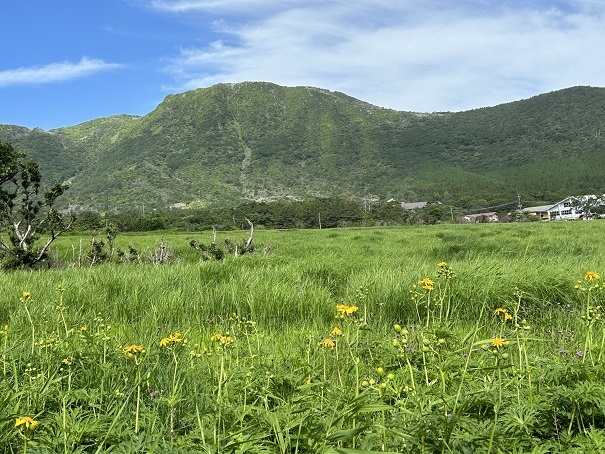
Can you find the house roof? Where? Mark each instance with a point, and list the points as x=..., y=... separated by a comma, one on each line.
x=478, y=215
x=413, y=205
x=537, y=208
x=582, y=198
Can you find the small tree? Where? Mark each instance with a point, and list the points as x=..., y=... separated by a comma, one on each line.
x=591, y=206
x=26, y=211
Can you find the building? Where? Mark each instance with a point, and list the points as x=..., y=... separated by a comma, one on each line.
x=540, y=212
x=492, y=216
x=570, y=208
x=413, y=205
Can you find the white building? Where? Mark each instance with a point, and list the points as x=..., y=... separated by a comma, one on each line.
x=413, y=205
x=569, y=208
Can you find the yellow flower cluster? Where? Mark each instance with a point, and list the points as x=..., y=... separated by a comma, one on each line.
x=344, y=310
x=503, y=313
x=444, y=271
x=48, y=342
x=590, y=282
x=133, y=351
x=336, y=331
x=26, y=422
x=174, y=338
x=223, y=339
x=427, y=284
x=327, y=343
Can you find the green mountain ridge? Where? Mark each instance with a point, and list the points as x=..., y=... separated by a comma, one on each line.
x=261, y=141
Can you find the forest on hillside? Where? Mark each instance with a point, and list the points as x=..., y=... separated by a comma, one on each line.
x=232, y=143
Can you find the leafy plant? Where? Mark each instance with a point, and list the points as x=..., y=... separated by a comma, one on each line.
x=26, y=212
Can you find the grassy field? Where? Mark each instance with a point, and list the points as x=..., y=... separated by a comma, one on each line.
x=446, y=338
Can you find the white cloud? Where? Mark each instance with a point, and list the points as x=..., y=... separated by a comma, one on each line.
x=238, y=6
x=409, y=55
x=54, y=72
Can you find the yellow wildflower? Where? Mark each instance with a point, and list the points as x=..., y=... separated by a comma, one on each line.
x=26, y=421
x=218, y=337
x=343, y=309
x=27, y=295
x=499, y=342
x=427, y=284
x=591, y=276
x=327, y=343
x=133, y=350
x=504, y=313
x=442, y=264
x=336, y=332
x=174, y=338
x=164, y=342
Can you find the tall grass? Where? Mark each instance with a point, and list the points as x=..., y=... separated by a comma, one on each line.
x=307, y=271
x=242, y=354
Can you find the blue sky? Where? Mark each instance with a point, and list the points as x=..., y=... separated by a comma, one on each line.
x=64, y=62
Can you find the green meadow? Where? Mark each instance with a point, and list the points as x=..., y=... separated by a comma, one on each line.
x=444, y=338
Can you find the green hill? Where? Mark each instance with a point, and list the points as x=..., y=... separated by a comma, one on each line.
x=261, y=141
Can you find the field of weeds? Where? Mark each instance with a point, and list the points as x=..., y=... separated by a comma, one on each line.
x=446, y=338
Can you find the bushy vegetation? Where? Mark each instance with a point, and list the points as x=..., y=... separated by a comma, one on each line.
x=260, y=141
x=314, y=213
x=27, y=211
x=446, y=338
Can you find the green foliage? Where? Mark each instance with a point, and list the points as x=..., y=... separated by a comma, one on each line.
x=101, y=251
x=25, y=211
x=209, y=252
x=88, y=221
x=262, y=142
x=236, y=249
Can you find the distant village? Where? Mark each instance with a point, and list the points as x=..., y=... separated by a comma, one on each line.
x=586, y=207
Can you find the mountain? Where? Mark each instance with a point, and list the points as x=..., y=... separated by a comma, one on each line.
x=261, y=141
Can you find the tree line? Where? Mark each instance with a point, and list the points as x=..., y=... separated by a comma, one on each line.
x=305, y=214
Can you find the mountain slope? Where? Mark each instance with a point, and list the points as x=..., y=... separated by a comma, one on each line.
x=262, y=141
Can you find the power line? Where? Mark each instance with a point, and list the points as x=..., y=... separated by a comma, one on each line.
x=488, y=208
